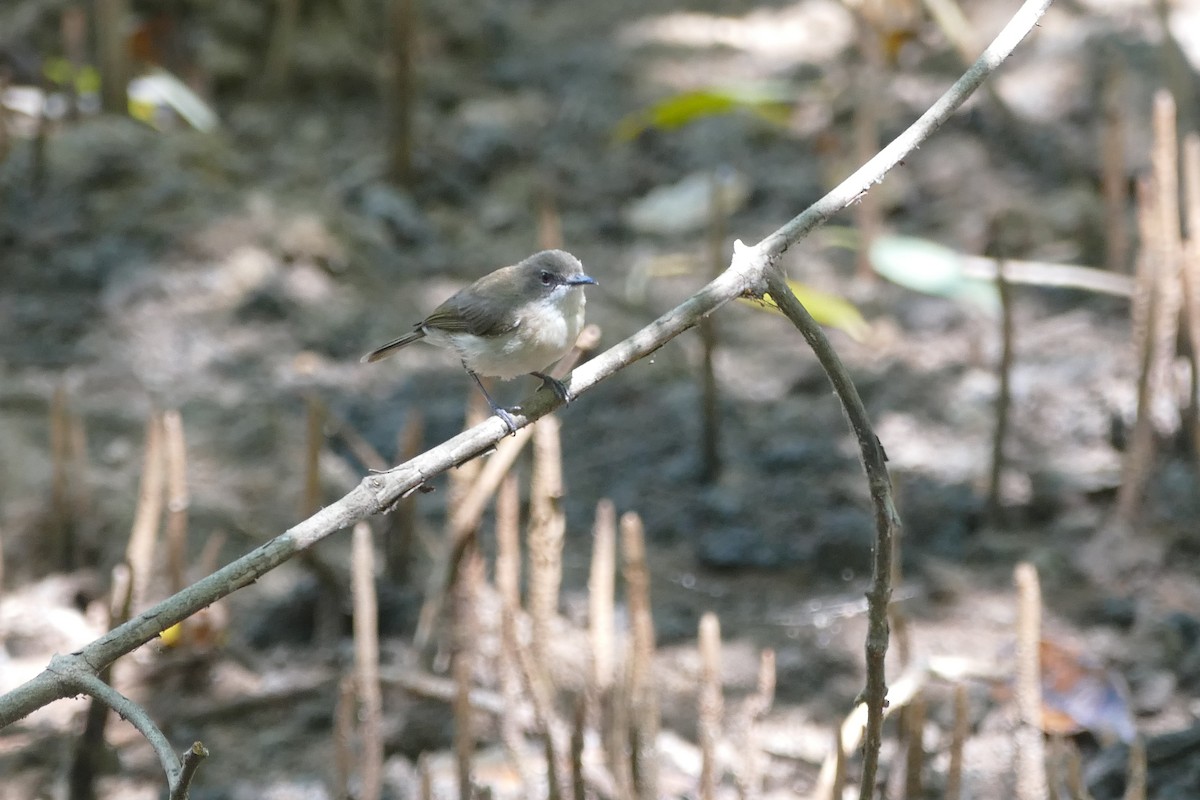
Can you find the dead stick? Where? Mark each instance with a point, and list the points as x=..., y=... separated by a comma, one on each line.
x=1030, y=751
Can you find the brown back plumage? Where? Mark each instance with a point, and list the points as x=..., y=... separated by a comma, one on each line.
x=485, y=308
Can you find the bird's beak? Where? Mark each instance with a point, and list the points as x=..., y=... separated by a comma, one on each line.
x=580, y=280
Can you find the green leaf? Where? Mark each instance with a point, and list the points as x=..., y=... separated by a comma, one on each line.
x=929, y=268
x=61, y=72
x=682, y=109
x=58, y=71
x=827, y=309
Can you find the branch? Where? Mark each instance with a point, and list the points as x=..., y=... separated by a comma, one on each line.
x=887, y=521
x=191, y=762
x=747, y=275
x=87, y=683
x=179, y=775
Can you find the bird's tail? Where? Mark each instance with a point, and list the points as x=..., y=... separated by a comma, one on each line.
x=395, y=344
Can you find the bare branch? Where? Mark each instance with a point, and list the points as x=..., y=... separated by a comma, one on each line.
x=1030, y=761
x=191, y=762
x=89, y=684
x=366, y=661
x=887, y=521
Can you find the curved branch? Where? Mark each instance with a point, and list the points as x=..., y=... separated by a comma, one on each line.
x=887, y=521
x=85, y=682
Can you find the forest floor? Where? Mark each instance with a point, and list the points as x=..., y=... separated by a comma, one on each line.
x=235, y=276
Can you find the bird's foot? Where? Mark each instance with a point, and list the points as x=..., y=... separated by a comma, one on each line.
x=506, y=418
x=497, y=409
x=554, y=385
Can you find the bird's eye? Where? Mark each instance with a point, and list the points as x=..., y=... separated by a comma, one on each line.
x=547, y=278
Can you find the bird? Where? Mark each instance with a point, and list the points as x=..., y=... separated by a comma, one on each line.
x=517, y=320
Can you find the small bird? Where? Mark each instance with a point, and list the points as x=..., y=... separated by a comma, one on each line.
x=515, y=321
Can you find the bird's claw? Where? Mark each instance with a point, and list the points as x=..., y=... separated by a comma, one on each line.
x=506, y=418
x=555, y=385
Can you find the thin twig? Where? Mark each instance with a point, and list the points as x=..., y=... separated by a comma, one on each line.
x=711, y=703
x=838, y=788
x=1054, y=767
x=958, y=739
x=1031, y=756
x=111, y=19
x=62, y=538
x=143, y=538
x=1165, y=325
x=175, y=451
x=868, y=97
x=425, y=777
x=403, y=532
x=468, y=511
x=366, y=662
x=435, y=687
x=1003, y=393
x=547, y=527
x=508, y=585
x=1140, y=450
x=401, y=87
x=1191, y=278
x=1076, y=786
x=89, y=751
x=314, y=442
x=187, y=772
x=466, y=631
x=643, y=697
x=710, y=394
x=748, y=772
x=854, y=726
x=914, y=723
x=601, y=584
x=555, y=738
x=344, y=714
x=1114, y=178
x=89, y=684
x=1135, y=779
x=578, y=731
x=887, y=520
x=1044, y=275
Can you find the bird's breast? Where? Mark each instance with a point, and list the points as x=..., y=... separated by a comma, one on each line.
x=546, y=332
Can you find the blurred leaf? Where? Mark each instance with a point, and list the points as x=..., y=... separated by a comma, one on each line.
x=61, y=72
x=204, y=631
x=930, y=268
x=58, y=70
x=88, y=80
x=827, y=309
x=172, y=636
x=1079, y=694
x=681, y=109
x=160, y=88
x=894, y=41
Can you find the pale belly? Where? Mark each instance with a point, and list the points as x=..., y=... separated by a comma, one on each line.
x=544, y=336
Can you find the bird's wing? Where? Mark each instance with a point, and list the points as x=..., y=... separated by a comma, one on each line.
x=459, y=314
